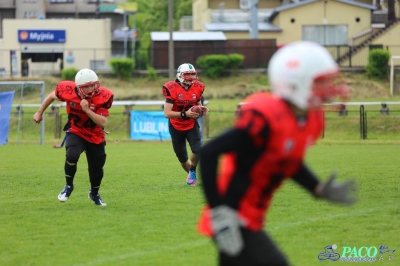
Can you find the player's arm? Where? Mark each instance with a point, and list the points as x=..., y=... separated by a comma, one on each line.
x=185, y=114
x=225, y=221
x=234, y=140
x=98, y=119
x=38, y=116
x=329, y=190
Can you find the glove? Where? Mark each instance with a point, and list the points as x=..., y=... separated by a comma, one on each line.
x=226, y=226
x=339, y=192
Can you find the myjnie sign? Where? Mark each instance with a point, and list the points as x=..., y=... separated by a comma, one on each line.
x=41, y=36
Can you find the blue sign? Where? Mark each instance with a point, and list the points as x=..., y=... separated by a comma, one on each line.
x=149, y=125
x=6, y=99
x=41, y=36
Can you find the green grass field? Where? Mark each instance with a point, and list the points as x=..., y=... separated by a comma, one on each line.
x=152, y=214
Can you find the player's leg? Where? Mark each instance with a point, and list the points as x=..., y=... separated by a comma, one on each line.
x=74, y=147
x=259, y=249
x=96, y=157
x=194, y=138
x=179, y=145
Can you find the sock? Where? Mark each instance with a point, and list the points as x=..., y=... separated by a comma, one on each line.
x=192, y=168
x=94, y=190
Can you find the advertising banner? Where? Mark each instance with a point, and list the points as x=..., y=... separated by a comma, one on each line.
x=149, y=125
x=41, y=36
x=6, y=99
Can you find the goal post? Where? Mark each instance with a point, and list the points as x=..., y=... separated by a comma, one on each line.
x=21, y=86
x=392, y=66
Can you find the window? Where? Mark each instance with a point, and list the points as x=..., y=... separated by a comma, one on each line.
x=96, y=64
x=326, y=35
x=30, y=14
x=186, y=23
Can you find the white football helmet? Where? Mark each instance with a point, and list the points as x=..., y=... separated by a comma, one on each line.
x=186, y=74
x=305, y=74
x=87, y=77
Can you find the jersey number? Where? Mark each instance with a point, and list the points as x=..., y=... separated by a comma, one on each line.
x=182, y=107
x=77, y=121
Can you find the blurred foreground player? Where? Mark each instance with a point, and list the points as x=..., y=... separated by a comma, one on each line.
x=266, y=146
x=87, y=106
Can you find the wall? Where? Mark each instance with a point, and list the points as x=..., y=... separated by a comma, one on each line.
x=257, y=52
x=200, y=13
x=391, y=39
x=322, y=12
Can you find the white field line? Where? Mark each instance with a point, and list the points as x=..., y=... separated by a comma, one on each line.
x=145, y=253
x=208, y=241
x=327, y=217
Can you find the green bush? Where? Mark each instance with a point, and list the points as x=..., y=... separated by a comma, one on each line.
x=235, y=60
x=122, y=67
x=69, y=73
x=377, y=66
x=213, y=65
x=201, y=62
x=152, y=73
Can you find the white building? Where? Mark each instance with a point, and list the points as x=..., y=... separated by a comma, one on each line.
x=45, y=43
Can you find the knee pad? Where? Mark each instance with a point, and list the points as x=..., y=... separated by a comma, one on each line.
x=196, y=148
x=182, y=157
x=73, y=154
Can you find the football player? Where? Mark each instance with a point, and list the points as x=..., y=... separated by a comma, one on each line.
x=180, y=96
x=87, y=105
x=265, y=147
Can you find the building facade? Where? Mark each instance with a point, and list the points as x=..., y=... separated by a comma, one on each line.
x=349, y=29
x=120, y=16
x=44, y=47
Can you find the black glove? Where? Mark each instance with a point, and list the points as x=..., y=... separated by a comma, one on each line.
x=339, y=192
x=226, y=226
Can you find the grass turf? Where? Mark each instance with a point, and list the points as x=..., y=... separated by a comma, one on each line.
x=152, y=214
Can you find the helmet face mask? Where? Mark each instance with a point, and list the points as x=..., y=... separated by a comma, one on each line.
x=305, y=74
x=87, y=83
x=328, y=87
x=186, y=74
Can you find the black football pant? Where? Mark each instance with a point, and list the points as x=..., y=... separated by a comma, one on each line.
x=95, y=155
x=178, y=137
x=259, y=249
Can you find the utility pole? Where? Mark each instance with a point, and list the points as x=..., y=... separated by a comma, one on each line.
x=97, y=9
x=391, y=11
x=133, y=44
x=125, y=29
x=253, y=19
x=171, y=56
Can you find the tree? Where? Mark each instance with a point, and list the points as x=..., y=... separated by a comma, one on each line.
x=152, y=15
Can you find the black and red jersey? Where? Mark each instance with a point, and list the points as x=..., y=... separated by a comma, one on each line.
x=81, y=124
x=266, y=146
x=182, y=99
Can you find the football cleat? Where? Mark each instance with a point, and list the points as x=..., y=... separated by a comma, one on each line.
x=96, y=199
x=65, y=193
x=191, y=178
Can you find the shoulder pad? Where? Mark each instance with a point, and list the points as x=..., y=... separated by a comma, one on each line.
x=200, y=84
x=170, y=85
x=106, y=92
